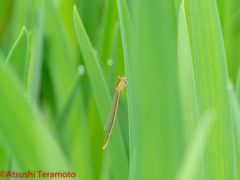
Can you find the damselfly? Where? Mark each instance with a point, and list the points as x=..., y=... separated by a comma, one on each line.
x=113, y=111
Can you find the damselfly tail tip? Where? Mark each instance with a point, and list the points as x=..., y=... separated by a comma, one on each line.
x=104, y=146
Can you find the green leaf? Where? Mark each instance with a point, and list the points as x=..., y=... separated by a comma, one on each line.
x=156, y=137
x=113, y=58
x=23, y=130
x=36, y=51
x=96, y=132
x=177, y=4
x=62, y=67
x=65, y=112
x=236, y=116
x=229, y=12
x=91, y=19
x=193, y=158
x=187, y=85
x=2, y=56
x=128, y=40
x=60, y=57
x=212, y=78
x=102, y=97
x=236, y=124
x=4, y=156
x=238, y=86
x=105, y=169
x=108, y=21
x=18, y=56
x=66, y=15
x=117, y=68
x=20, y=16
x=5, y=6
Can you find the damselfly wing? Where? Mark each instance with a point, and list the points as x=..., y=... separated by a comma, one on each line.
x=113, y=110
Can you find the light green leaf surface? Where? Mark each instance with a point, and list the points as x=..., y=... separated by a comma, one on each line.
x=18, y=56
x=187, y=86
x=156, y=139
x=4, y=156
x=66, y=15
x=66, y=110
x=193, y=158
x=62, y=67
x=105, y=175
x=91, y=18
x=18, y=59
x=103, y=102
x=2, y=57
x=212, y=82
x=36, y=50
x=229, y=12
x=61, y=61
x=236, y=125
x=127, y=43
x=238, y=86
x=177, y=4
x=96, y=132
x=108, y=21
x=21, y=16
x=116, y=69
x=22, y=127
x=236, y=116
x=113, y=59
x=186, y=79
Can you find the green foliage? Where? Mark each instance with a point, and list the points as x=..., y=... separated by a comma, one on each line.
x=212, y=77
x=59, y=62
x=102, y=97
x=18, y=56
x=187, y=88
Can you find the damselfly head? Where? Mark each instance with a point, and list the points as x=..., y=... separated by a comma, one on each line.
x=122, y=77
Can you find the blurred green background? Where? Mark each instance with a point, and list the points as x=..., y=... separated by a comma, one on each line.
x=59, y=63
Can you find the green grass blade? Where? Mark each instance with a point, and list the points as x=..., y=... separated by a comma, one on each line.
x=127, y=42
x=187, y=85
x=157, y=136
x=60, y=58
x=229, y=12
x=36, y=50
x=102, y=97
x=113, y=58
x=117, y=68
x=238, y=86
x=212, y=78
x=62, y=67
x=24, y=137
x=193, y=158
x=236, y=117
x=96, y=133
x=105, y=175
x=65, y=112
x=4, y=156
x=66, y=14
x=20, y=16
x=5, y=6
x=236, y=123
x=108, y=21
x=18, y=56
x=177, y=4
x=2, y=56
x=186, y=79
x=91, y=19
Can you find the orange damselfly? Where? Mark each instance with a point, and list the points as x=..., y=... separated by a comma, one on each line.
x=113, y=111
